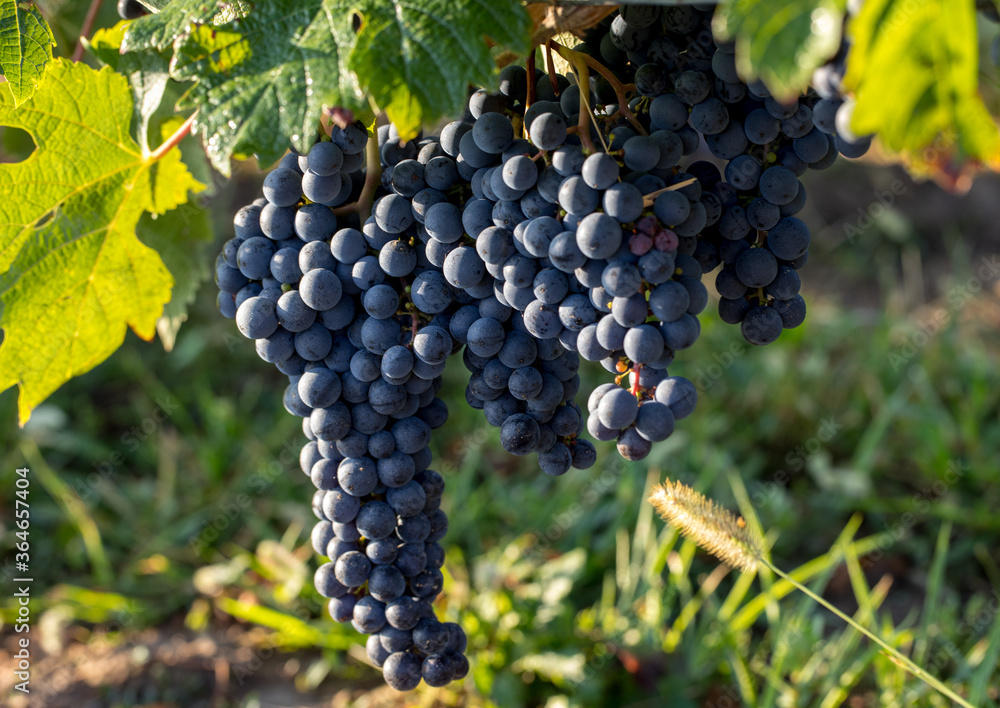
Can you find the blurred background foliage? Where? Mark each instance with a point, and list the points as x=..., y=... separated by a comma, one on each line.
x=170, y=520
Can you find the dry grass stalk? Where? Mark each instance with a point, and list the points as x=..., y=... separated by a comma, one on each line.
x=712, y=527
x=728, y=537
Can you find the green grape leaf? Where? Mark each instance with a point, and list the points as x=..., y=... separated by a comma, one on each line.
x=914, y=70
x=417, y=58
x=232, y=10
x=781, y=42
x=597, y=3
x=183, y=238
x=155, y=5
x=228, y=9
x=26, y=43
x=171, y=22
x=263, y=79
x=73, y=272
x=147, y=73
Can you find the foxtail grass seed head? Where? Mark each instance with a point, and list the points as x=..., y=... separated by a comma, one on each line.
x=712, y=527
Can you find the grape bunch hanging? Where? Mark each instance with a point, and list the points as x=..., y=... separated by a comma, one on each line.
x=555, y=222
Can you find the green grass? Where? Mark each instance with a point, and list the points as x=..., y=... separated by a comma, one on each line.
x=166, y=487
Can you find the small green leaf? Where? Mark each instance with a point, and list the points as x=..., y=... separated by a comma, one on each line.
x=73, y=272
x=914, y=70
x=781, y=42
x=26, y=43
x=417, y=58
x=182, y=237
x=263, y=79
x=146, y=71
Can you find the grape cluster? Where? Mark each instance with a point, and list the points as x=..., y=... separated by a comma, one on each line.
x=528, y=237
x=322, y=302
x=503, y=305
x=688, y=84
x=561, y=260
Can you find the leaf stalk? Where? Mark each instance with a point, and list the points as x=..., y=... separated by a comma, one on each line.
x=172, y=142
x=88, y=25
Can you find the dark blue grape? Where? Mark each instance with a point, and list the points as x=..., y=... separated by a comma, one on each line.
x=283, y=187
x=761, y=325
x=402, y=671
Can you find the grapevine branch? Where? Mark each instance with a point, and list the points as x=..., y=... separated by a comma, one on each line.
x=88, y=25
x=373, y=177
x=583, y=83
x=550, y=67
x=532, y=96
x=574, y=57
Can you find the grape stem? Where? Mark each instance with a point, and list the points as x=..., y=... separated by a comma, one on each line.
x=574, y=57
x=172, y=142
x=373, y=177
x=414, y=317
x=583, y=82
x=550, y=67
x=88, y=25
x=636, y=368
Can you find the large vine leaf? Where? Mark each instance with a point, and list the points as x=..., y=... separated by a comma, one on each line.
x=781, y=42
x=183, y=238
x=26, y=43
x=73, y=272
x=914, y=70
x=417, y=57
x=147, y=73
x=263, y=79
